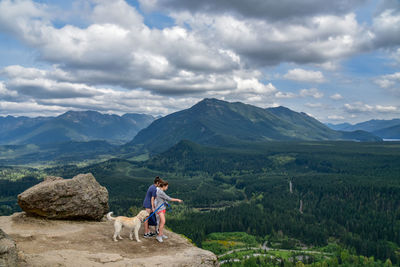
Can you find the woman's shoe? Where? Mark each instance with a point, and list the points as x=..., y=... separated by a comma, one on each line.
x=159, y=239
x=147, y=235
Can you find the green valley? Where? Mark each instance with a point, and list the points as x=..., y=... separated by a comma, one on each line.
x=350, y=194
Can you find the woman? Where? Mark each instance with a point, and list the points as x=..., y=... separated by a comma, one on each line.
x=161, y=198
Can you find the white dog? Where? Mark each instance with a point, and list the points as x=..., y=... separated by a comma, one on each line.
x=133, y=224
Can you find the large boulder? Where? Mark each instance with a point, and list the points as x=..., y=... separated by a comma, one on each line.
x=81, y=197
x=8, y=251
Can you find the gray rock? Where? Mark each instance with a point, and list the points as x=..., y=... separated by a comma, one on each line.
x=81, y=197
x=8, y=251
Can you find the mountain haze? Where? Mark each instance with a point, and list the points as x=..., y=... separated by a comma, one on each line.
x=72, y=126
x=389, y=129
x=213, y=121
x=392, y=132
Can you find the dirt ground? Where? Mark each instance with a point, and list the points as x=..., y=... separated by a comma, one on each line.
x=43, y=242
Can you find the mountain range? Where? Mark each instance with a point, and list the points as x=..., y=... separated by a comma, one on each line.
x=78, y=126
x=210, y=122
x=387, y=129
x=217, y=122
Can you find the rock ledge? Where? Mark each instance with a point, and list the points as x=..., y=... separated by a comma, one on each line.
x=43, y=242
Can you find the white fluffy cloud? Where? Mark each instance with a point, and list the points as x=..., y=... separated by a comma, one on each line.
x=302, y=75
x=390, y=82
x=312, y=92
x=386, y=28
x=114, y=61
x=359, y=107
x=336, y=96
x=117, y=48
x=381, y=108
x=5, y=93
x=335, y=117
x=316, y=40
x=40, y=88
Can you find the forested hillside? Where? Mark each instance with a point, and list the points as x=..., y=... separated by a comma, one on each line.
x=350, y=192
x=72, y=126
x=217, y=122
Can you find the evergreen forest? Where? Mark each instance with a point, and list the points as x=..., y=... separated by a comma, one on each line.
x=312, y=194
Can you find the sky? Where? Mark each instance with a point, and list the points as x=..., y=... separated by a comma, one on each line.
x=338, y=61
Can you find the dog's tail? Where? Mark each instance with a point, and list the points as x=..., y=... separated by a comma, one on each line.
x=109, y=216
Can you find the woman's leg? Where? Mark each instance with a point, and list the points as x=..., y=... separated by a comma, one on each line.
x=162, y=223
x=146, y=223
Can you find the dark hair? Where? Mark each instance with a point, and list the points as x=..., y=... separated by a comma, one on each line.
x=157, y=180
x=163, y=183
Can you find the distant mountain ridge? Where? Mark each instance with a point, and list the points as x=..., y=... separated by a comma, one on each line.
x=213, y=122
x=387, y=129
x=72, y=126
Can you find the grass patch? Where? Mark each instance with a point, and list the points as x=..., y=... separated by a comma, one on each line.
x=220, y=243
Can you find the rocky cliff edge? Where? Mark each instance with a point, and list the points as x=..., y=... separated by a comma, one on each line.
x=43, y=242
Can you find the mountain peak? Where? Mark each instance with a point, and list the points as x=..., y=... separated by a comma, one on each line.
x=211, y=121
x=80, y=114
x=209, y=102
x=73, y=126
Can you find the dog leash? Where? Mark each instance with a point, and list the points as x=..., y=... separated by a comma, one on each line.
x=163, y=204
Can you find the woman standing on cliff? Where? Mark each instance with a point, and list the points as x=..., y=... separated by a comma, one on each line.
x=162, y=198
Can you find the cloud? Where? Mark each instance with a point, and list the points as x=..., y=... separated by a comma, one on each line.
x=116, y=12
x=329, y=65
x=385, y=108
x=396, y=55
x=5, y=93
x=17, y=71
x=359, y=107
x=42, y=88
x=386, y=81
x=285, y=95
x=252, y=85
x=259, y=9
x=301, y=75
x=390, y=82
x=313, y=92
x=336, y=96
x=335, y=117
x=29, y=108
x=19, y=16
x=107, y=100
x=313, y=105
x=112, y=61
x=117, y=48
x=386, y=28
x=315, y=40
